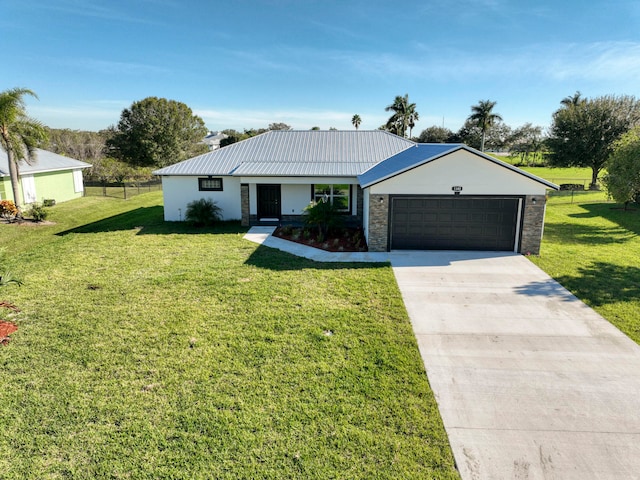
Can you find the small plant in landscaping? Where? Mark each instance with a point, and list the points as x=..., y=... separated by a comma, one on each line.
x=203, y=212
x=323, y=215
x=8, y=210
x=37, y=212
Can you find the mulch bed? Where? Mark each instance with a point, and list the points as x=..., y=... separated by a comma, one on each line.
x=6, y=329
x=339, y=240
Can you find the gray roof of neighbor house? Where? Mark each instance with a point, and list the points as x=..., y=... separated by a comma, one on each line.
x=296, y=153
x=45, y=161
x=423, y=153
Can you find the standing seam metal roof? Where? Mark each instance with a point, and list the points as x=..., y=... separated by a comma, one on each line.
x=45, y=161
x=296, y=153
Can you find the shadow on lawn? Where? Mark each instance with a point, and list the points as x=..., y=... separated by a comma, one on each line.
x=598, y=284
x=150, y=221
x=626, y=219
x=576, y=232
x=274, y=259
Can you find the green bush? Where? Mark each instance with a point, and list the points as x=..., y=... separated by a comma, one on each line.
x=203, y=212
x=37, y=212
x=324, y=216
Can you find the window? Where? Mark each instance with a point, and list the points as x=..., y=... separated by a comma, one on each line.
x=338, y=195
x=210, y=184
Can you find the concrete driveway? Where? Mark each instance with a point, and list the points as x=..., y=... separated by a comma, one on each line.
x=530, y=382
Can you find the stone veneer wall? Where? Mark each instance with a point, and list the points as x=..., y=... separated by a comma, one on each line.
x=378, y=223
x=244, y=204
x=532, y=224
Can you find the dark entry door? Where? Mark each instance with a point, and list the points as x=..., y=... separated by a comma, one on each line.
x=453, y=223
x=268, y=201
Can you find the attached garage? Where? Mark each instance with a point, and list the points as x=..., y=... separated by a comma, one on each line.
x=452, y=197
x=454, y=223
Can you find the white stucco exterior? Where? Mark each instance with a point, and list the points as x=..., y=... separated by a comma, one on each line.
x=476, y=176
x=178, y=191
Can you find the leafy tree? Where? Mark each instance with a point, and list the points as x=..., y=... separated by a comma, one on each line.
x=435, y=134
x=583, y=134
x=356, y=121
x=482, y=115
x=19, y=134
x=279, y=126
x=81, y=145
x=315, y=128
x=527, y=142
x=157, y=132
x=496, y=137
x=623, y=168
x=404, y=116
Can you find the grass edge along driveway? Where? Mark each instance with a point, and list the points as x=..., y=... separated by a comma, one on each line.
x=150, y=350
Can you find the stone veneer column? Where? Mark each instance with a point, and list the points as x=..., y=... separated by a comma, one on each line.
x=244, y=204
x=532, y=224
x=378, y=222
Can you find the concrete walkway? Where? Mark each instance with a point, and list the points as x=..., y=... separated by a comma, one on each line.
x=530, y=382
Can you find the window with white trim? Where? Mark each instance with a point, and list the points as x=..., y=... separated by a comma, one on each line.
x=338, y=195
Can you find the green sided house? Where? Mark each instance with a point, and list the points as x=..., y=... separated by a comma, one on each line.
x=405, y=195
x=51, y=177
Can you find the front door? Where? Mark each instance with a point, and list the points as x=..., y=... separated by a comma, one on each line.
x=268, y=202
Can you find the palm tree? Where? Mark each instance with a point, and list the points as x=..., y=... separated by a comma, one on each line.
x=404, y=115
x=19, y=134
x=482, y=115
x=573, y=101
x=356, y=121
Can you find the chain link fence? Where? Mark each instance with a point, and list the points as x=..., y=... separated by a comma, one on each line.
x=122, y=190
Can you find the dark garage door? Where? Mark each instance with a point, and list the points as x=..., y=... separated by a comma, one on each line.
x=453, y=223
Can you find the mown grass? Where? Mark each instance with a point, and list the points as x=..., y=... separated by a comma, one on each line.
x=593, y=250
x=153, y=350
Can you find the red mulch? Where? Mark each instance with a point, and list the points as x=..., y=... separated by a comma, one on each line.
x=6, y=329
x=342, y=240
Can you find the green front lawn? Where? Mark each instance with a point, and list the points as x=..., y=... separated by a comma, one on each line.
x=152, y=350
x=594, y=251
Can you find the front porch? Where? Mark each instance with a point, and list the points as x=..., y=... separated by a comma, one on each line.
x=282, y=203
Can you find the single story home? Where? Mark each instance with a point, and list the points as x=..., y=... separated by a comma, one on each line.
x=405, y=195
x=51, y=176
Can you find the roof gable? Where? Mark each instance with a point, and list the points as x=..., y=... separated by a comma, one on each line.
x=424, y=153
x=296, y=153
x=45, y=161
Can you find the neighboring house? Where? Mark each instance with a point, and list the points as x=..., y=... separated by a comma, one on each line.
x=212, y=140
x=51, y=177
x=405, y=195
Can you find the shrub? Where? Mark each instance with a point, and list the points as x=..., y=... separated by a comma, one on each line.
x=203, y=212
x=322, y=215
x=8, y=210
x=37, y=212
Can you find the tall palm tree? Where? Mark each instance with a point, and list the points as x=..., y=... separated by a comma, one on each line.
x=19, y=134
x=482, y=115
x=574, y=100
x=404, y=115
x=356, y=121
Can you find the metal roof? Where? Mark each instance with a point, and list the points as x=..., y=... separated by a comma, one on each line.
x=423, y=153
x=296, y=153
x=45, y=161
x=404, y=160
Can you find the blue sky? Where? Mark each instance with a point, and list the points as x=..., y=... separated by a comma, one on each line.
x=244, y=64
